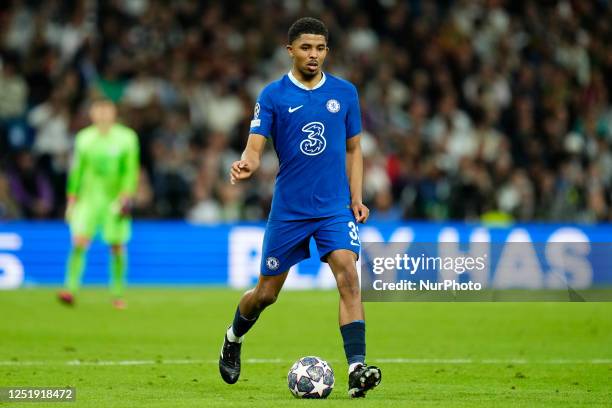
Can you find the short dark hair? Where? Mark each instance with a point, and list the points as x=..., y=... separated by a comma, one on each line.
x=307, y=25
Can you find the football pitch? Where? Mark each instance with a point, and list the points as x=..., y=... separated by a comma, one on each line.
x=162, y=351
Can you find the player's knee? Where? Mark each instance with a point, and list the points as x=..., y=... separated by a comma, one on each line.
x=80, y=243
x=345, y=268
x=346, y=278
x=348, y=288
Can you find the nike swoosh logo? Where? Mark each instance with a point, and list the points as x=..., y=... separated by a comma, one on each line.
x=291, y=110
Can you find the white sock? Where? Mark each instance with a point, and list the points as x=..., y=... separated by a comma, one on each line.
x=353, y=366
x=232, y=337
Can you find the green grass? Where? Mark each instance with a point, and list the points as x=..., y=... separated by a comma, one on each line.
x=511, y=354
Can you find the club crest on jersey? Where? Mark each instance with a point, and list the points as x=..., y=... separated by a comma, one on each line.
x=272, y=263
x=315, y=141
x=333, y=106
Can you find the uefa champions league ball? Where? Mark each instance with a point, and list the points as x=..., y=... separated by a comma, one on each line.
x=310, y=377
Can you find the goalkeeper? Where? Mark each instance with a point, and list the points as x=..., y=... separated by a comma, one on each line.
x=101, y=184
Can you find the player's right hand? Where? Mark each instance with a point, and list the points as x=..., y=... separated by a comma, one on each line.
x=240, y=170
x=69, y=209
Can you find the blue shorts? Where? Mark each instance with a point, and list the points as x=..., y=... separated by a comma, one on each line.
x=288, y=242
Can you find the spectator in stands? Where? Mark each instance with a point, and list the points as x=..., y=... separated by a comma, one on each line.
x=9, y=209
x=30, y=188
x=504, y=106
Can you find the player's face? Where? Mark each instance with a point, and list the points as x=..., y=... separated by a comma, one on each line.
x=308, y=52
x=103, y=113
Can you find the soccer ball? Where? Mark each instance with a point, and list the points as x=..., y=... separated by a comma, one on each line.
x=310, y=377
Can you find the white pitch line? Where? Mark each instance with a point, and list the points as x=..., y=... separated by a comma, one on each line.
x=425, y=360
x=419, y=361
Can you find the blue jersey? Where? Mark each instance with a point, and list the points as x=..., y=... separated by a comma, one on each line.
x=309, y=129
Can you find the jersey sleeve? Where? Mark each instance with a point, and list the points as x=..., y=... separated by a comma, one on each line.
x=130, y=165
x=353, y=116
x=76, y=168
x=263, y=115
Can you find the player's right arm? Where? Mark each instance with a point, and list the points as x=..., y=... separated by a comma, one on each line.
x=76, y=174
x=261, y=128
x=251, y=158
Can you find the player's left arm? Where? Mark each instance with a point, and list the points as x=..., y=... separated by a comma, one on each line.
x=354, y=170
x=129, y=176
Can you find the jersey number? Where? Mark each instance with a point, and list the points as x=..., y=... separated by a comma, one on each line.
x=314, y=142
x=354, y=234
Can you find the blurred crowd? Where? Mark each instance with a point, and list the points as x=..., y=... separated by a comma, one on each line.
x=492, y=110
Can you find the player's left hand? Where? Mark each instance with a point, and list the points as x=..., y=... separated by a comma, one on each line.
x=360, y=211
x=125, y=207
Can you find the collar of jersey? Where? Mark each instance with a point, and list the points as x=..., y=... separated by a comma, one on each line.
x=304, y=87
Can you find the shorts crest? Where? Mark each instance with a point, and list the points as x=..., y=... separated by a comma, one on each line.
x=272, y=263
